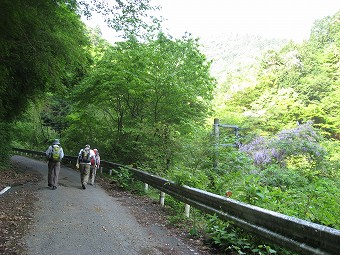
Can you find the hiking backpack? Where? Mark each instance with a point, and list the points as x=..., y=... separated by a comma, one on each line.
x=85, y=156
x=55, y=154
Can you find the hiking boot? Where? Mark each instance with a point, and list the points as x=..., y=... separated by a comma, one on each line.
x=54, y=187
x=83, y=186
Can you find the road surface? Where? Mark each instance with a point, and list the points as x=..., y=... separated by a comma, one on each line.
x=73, y=221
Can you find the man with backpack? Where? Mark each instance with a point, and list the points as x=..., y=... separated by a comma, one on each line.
x=54, y=154
x=84, y=163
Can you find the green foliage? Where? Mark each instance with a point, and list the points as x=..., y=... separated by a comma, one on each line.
x=176, y=208
x=30, y=131
x=185, y=176
x=133, y=18
x=275, y=176
x=253, y=193
x=235, y=58
x=45, y=48
x=5, y=135
x=296, y=83
x=228, y=238
x=232, y=160
x=147, y=103
x=30, y=65
x=331, y=166
x=56, y=109
x=146, y=95
x=124, y=177
x=321, y=202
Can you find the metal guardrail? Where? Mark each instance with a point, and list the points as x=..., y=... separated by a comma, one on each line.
x=295, y=234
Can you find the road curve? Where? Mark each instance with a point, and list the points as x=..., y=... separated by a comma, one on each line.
x=73, y=221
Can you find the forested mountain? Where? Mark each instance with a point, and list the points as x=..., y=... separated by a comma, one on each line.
x=235, y=61
x=289, y=120
x=297, y=83
x=233, y=53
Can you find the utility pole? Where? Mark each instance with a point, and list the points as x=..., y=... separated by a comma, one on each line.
x=216, y=142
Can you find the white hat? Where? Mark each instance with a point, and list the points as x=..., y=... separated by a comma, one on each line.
x=56, y=141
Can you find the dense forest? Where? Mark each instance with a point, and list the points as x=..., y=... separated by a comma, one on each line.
x=150, y=101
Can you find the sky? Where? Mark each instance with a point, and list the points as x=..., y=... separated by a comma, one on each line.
x=289, y=19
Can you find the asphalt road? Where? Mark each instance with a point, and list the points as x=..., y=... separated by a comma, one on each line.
x=73, y=221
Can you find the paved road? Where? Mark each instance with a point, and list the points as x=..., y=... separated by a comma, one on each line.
x=73, y=221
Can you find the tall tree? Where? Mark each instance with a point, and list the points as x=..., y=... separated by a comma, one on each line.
x=42, y=47
x=41, y=44
x=130, y=18
x=144, y=90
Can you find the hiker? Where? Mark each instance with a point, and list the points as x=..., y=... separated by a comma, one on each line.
x=54, y=154
x=95, y=163
x=84, y=163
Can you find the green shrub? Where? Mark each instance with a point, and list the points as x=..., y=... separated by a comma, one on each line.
x=276, y=176
x=124, y=177
x=226, y=237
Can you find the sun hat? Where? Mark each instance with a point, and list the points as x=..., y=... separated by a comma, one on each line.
x=56, y=141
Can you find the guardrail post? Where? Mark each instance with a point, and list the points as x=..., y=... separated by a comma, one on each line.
x=187, y=210
x=146, y=187
x=110, y=172
x=162, y=198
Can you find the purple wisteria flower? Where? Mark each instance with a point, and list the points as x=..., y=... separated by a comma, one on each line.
x=302, y=140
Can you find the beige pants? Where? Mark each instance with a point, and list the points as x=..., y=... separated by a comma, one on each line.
x=93, y=171
x=84, y=173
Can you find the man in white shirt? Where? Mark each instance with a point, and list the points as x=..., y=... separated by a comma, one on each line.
x=84, y=164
